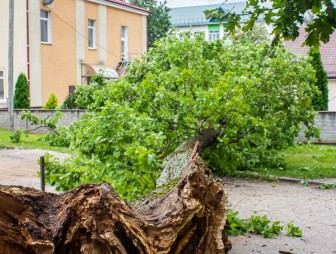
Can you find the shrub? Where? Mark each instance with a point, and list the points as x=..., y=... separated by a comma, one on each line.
x=69, y=102
x=320, y=100
x=52, y=102
x=21, y=93
x=16, y=136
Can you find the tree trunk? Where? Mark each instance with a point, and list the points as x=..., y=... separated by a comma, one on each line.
x=93, y=219
x=175, y=163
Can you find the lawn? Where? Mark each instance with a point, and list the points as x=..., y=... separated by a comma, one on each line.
x=32, y=141
x=301, y=161
x=308, y=162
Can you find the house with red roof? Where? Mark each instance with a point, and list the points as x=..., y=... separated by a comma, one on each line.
x=328, y=57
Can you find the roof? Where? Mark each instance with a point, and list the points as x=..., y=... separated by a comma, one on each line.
x=121, y=2
x=328, y=51
x=194, y=15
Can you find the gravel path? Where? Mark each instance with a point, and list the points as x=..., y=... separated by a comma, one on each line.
x=20, y=167
x=310, y=208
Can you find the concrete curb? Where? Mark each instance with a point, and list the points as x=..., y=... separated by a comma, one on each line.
x=312, y=182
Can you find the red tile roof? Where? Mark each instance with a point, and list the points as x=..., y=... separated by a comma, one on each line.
x=328, y=51
x=121, y=2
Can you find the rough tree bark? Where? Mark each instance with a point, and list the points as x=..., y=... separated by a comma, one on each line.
x=93, y=219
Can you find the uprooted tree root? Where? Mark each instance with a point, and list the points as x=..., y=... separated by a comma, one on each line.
x=94, y=219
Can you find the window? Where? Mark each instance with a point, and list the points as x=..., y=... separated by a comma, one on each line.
x=213, y=35
x=124, y=43
x=92, y=34
x=72, y=90
x=1, y=85
x=45, y=26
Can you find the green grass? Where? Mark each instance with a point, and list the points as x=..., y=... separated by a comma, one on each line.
x=308, y=162
x=33, y=141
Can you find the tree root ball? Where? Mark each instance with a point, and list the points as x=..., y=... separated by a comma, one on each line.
x=94, y=219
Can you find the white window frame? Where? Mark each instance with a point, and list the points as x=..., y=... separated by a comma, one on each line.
x=2, y=77
x=93, y=39
x=214, y=35
x=48, y=20
x=124, y=40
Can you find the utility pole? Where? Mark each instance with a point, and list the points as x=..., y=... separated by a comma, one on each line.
x=10, y=65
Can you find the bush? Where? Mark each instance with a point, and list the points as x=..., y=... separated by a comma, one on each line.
x=52, y=102
x=70, y=102
x=16, y=136
x=320, y=100
x=21, y=93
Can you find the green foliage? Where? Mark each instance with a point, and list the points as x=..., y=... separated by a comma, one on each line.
x=70, y=102
x=84, y=95
x=50, y=122
x=75, y=171
x=256, y=35
x=293, y=230
x=52, y=102
x=21, y=93
x=257, y=224
x=16, y=136
x=327, y=186
x=320, y=100
x=285, y=16
x=254, y=97
x=159, y=19
x=60, y=138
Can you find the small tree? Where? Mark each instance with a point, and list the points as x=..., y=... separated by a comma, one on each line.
x=52, y=102
x=21, y=93
x=320, y=100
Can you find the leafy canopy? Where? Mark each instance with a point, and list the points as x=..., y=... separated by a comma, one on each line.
x=253, y=96
x=159, y=19
x=285, y=16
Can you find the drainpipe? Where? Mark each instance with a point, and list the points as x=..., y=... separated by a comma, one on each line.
x=147, y=32
x=28, y=56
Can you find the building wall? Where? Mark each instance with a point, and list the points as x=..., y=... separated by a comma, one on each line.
x=20, y=42
x=35, y=54
x=58, y=59
x=61, y=61
x=195, y=29
x=115, y=20
x=91, y=12
x=332, y=94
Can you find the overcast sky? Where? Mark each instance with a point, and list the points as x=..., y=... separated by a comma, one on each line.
x=179, y=3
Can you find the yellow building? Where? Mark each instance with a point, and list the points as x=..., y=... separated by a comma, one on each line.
x=62, y=44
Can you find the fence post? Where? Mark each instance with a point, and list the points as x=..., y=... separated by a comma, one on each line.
x=42, y=173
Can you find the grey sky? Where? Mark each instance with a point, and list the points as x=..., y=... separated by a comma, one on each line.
x=179, y=3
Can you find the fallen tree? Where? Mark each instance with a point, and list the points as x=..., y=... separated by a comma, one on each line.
x=92, y=218
x=250, y=97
